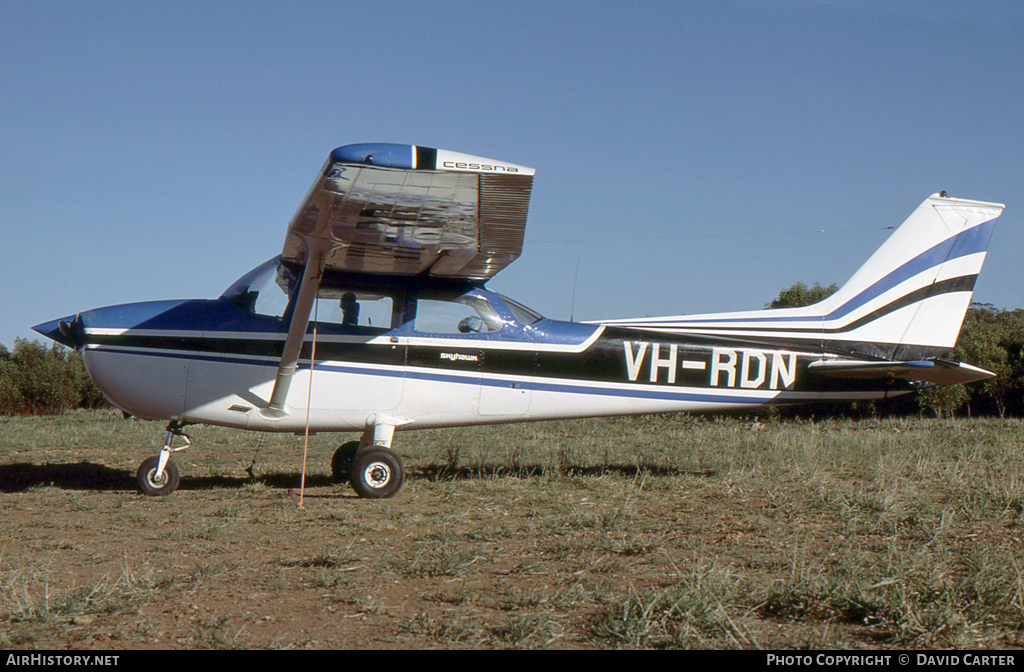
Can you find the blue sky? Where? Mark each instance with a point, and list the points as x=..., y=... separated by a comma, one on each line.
x=688, y=154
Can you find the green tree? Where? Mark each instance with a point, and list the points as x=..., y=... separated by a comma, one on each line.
x=994, y=340
x=35, y=379
x=943, y=400
x=10, y=392
x=43, y=378
x=799, y=294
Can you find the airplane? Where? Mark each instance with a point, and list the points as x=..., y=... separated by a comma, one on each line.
x=375, y=317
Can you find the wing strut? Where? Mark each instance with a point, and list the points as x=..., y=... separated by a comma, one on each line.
x=308, y=290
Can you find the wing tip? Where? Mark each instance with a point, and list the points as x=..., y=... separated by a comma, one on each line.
x=416, y=157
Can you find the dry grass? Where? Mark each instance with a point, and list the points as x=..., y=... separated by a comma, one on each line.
x=640, y=532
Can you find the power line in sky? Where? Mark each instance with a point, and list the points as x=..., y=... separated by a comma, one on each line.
x=706, y=235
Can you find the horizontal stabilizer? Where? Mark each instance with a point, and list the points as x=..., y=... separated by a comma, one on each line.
x=938, y=371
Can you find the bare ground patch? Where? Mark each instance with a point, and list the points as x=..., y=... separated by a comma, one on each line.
x=637, y=533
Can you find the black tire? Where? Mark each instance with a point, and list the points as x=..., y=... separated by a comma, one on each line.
x=149, y=486
x=341, y=463
x=377, y=473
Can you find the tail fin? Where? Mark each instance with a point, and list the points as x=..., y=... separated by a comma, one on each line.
x=906, y=303
x=909, y=300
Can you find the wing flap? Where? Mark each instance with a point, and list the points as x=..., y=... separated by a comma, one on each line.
x=937, y=371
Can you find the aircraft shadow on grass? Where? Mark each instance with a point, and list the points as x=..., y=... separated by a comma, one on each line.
x=20, y=477
x=24, y=476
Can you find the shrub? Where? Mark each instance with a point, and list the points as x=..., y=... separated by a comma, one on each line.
x=38, y=380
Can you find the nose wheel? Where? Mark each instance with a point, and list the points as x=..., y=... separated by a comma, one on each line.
x=158, y=475
x=153, y=481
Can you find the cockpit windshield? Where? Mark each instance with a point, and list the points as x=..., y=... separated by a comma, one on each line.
x=264, y=290
x=523, y=315
x=267, y=289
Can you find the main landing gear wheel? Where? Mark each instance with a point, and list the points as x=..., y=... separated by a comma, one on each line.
x=377, y=473
x=153, y=486
x=341, y=464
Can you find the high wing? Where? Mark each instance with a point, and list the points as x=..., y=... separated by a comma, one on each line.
x=409, y=210
x=400, y=210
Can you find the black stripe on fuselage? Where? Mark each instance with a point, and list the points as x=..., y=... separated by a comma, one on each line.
x=617, y=356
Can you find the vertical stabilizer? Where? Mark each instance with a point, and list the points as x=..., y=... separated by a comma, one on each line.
x=909, y=299
x=906, y=302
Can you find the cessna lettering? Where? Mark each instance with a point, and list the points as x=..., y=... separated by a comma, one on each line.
x=461, y=165
x=747, y=369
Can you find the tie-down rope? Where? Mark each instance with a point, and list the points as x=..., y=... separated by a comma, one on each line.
x=309, y=398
